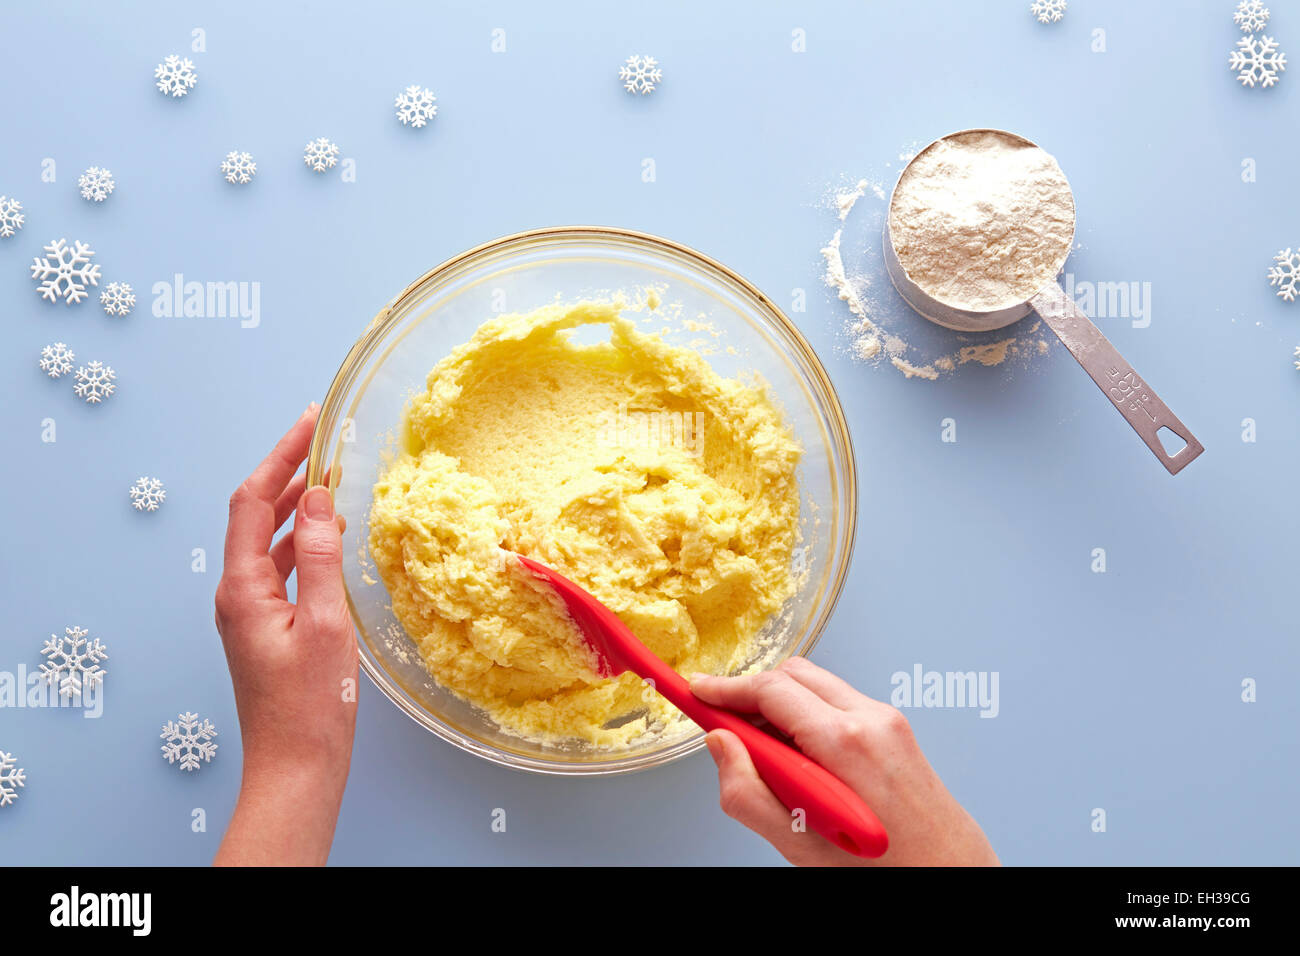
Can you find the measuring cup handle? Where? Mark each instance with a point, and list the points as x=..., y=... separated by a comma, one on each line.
x=1133, y=397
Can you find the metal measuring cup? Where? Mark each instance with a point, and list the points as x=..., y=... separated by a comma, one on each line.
x=1134, y=399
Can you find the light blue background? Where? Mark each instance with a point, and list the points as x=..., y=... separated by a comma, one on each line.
x=1118, y=690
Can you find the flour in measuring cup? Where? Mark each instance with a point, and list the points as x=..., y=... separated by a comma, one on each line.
x=880, y=329
x=982, y=220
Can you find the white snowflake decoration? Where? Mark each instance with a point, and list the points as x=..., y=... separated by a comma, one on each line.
x=1251, y=16
x=118, y=298
x=640, y=74
x=188, y=741
x=238, y=167
x=95, y=382
x=71, y=666
x=11, y=778
x=175, y=76
x=11, y=216
x=1257, y=60
x=320, y=154
x=1285, y=274
x=56, y=360
x=147, y=494
x=1297, y=356
x=416, y=106
x=96, y=184
x=65, y=272
x=1048, y=11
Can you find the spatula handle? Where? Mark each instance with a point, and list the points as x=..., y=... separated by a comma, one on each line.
x=828, y=805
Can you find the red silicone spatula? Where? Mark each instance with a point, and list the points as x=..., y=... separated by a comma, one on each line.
x=830, y=807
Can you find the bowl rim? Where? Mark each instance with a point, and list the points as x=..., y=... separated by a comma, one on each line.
x=838, y=426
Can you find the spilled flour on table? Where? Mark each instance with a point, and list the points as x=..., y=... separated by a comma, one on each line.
x=880, y=328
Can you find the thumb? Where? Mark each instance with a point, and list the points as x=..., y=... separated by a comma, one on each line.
x=318, y=554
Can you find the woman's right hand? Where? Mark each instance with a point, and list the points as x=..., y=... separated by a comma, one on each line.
x=865, y=743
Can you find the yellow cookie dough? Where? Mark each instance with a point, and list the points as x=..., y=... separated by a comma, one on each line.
x=629, y=466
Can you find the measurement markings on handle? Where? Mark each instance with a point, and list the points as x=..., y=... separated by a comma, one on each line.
x=1128, y=391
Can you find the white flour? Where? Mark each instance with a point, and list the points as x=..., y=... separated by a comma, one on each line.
x=846, y=198
x=982, y=220
x=881, y=328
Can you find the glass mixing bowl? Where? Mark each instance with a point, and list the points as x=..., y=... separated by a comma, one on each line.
x=362, y=412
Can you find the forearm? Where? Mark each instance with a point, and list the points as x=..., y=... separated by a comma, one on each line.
x=284, y=817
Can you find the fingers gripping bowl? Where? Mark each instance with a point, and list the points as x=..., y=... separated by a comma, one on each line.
x=744, y=335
